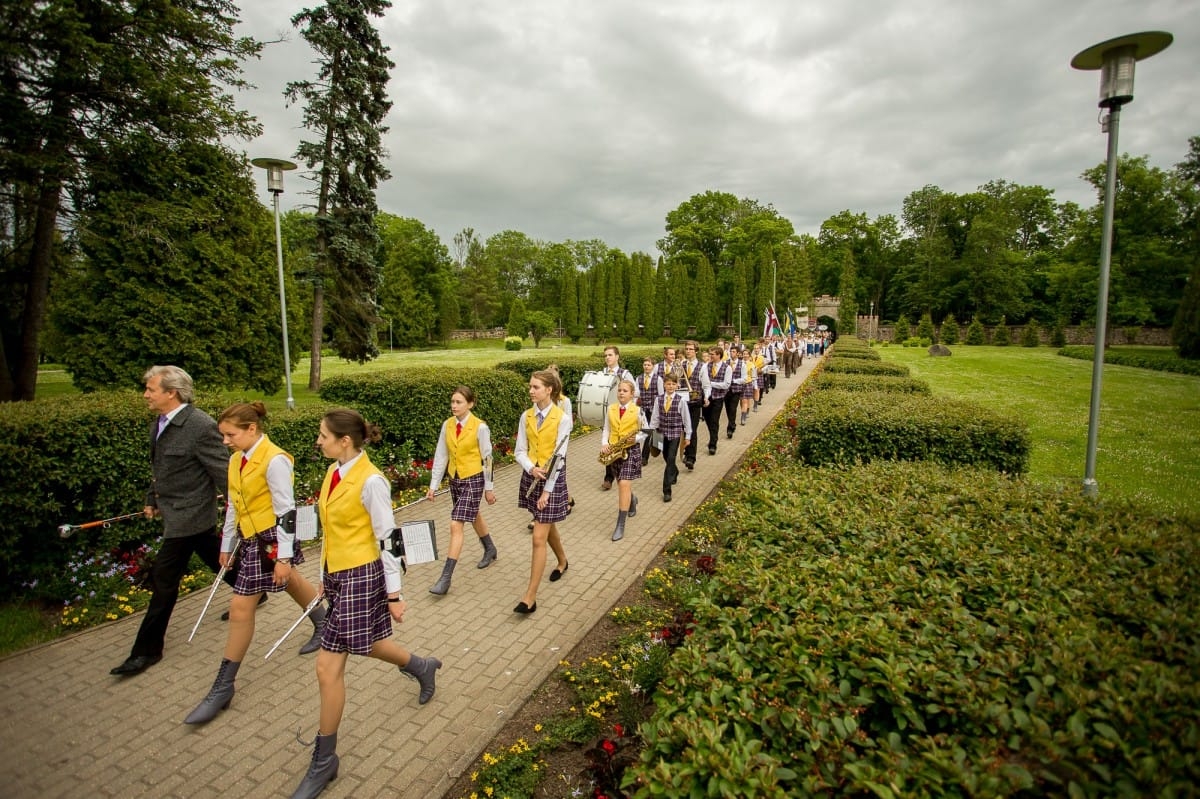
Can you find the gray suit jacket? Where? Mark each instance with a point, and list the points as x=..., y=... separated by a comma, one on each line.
x=189, y=467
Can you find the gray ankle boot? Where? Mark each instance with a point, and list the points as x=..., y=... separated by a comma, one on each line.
x=219, y=696
x=318, y=619
x=322, y=770
x=633, y=506
x=619, y=532
x=424, y=671
x=443, y=583
x=489, y=552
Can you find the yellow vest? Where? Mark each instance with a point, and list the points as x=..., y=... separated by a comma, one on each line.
x=249, y=494
x=542, y=442
x=621, y=426
x=349, y=537
x=465, y=458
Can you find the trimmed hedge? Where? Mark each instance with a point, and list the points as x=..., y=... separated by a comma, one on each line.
x=411, y=405
x=909, y=630
x=845, y=427
x=861, y=367
x=861, y=354
x=859, y=382
x=1167, y=361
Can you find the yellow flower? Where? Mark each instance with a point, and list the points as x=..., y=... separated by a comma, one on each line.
x=537, y=727
x=488, y=790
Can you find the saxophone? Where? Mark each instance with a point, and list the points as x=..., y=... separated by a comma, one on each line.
x=619, y=450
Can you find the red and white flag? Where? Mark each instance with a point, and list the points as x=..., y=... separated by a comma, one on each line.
x=771, y=325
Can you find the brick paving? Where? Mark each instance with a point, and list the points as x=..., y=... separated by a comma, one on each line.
x=68, y=730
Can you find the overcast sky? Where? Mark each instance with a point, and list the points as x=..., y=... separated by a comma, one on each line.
x=566, y=119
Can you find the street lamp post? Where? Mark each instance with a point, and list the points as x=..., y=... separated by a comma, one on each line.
x=739, y=320
x=275, y=168
x=871, y=323
x=1115, y=59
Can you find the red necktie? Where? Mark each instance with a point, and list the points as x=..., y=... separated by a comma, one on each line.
x=458, y=430
x=245, y=460
x=621, y=412
x=333, y=481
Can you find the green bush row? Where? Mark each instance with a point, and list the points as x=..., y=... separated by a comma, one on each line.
x=410, y=405
x=859, y=366
x=83, y=458
x=861, y=382
x=845, y=427
x=1166, y=361
x=913, y=630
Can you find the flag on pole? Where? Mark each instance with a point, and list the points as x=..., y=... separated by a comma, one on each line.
x=771, y=322
x=792, y=327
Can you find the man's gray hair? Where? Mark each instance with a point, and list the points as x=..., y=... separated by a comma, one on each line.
x=172, y=378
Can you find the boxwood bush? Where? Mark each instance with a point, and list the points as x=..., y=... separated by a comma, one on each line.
x=913, y=630
x=859, y=426
x=861, y=367
x=859, y=382
x=1165, y=361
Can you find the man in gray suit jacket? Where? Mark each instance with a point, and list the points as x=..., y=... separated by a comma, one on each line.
x=189, y=468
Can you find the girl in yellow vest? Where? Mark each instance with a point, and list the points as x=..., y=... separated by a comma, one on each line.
x=749, y=379
x=464, y=452
x=262, y=510
x=361, y=581
x=622, y=424
x=543, y=431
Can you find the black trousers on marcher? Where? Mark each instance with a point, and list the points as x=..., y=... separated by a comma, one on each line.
x=170, y=565
x=712, y=420
x=670, y=448
x=731, y=410
x=689, y=452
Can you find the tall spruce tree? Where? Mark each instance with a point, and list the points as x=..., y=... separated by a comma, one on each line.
x=75, y=78
x=345, y=107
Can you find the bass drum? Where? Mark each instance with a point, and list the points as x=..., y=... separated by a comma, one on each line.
x=597, y=391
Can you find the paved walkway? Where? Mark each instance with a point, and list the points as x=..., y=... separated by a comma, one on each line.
x=68, y=730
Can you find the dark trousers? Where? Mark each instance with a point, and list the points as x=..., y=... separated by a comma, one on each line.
x=712, y=420
x=731, y=410
x=694, y=410
x=670, y=448
x=169, y=567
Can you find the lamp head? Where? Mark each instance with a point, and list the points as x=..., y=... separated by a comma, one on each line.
x=1115, y=59
x=275, y=168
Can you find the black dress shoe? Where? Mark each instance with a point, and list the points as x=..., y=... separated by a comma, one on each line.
x=729, y=434
x=135, y=665
x=690, y=465
x=524, y=609
x=556, y=575
x=712, y=450
x=666, y=496
x=261, y=599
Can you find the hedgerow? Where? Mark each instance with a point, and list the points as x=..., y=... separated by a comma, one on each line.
x=1165, y=361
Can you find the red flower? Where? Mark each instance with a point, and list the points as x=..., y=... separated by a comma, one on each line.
x=609, y=747
x=619, y=730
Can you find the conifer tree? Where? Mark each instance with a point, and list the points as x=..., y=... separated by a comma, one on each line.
x=345, y=107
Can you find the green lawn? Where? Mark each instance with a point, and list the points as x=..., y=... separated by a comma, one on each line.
x=1149, y=420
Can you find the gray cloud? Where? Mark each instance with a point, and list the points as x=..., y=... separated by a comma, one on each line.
x=567, y=119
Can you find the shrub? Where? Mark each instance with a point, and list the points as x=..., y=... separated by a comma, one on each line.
x=512, y=343
x=1002, y=337
x=925, y=328
x=1163, y=360
x=976, y=335
x=859, y=366
x=860, y=382
x=911, y=630
x=949, y=333
x=902, y=331
x=843, y=427
x=1058, y=337
x=1029, y=336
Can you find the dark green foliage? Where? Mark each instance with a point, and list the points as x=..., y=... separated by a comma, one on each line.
x=516, y=325
x=908, y=630
x=176, y=268
x=976, y=335
x=871, y=383
x=902, y=330
x=1029, y=336
x=949, y=331
x=862, y=355
x=860, y=366
x=1185, y=333
x=843, y=427
x=1163, y=360
x=1058, y=337
x=410, y=405
x=1001, y=337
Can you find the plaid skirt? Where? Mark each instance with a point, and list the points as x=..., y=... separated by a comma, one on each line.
x=630, y=467
x=253, y=575
x=466, y=494
x=745, y=390
x=556, y=509
x=358, y=615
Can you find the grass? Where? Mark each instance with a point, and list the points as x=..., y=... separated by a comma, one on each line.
x=24, y=625
x=1149, y=420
